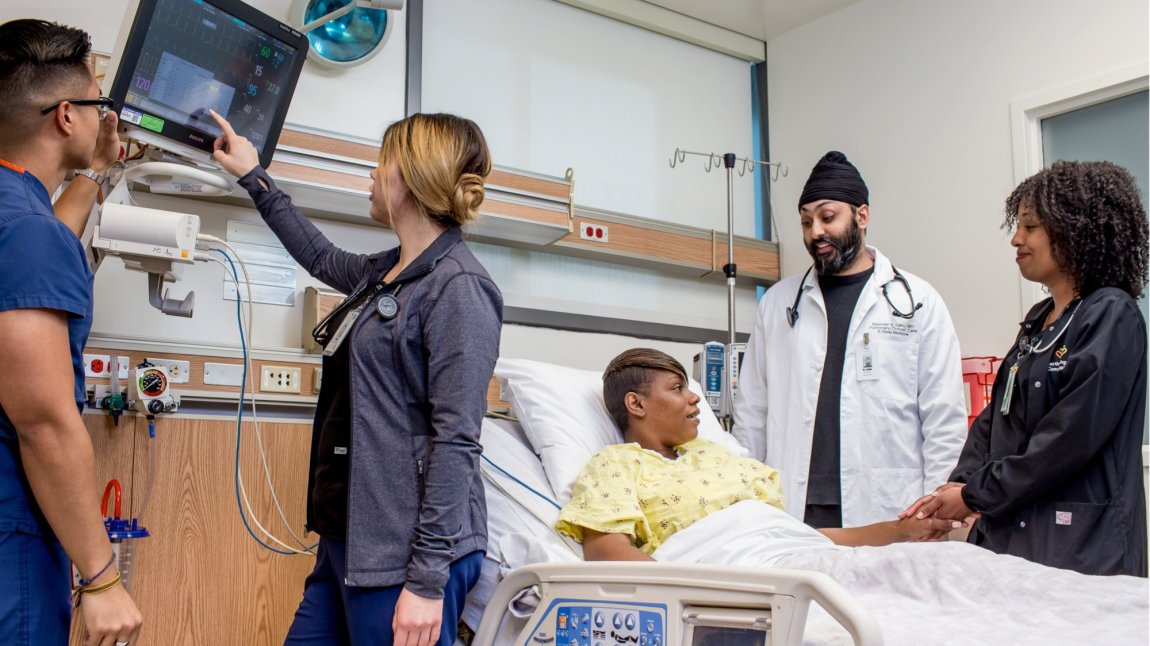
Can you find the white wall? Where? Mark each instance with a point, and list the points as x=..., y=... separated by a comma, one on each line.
x=581, y=349
x=917, y=94
x=360, y=103
x=552, y=87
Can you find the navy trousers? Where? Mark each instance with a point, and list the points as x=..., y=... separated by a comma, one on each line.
x=34, y=609
x=333, y=614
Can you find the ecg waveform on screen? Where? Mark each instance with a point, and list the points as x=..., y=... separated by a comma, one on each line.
x=197, y=57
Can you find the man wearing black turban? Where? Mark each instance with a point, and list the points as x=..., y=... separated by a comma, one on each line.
x=858, y=402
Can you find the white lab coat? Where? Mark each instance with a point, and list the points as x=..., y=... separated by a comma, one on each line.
x=903, y=411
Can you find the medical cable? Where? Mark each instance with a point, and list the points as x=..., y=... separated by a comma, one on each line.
x=567, y=540
x=153, y=449
x=521, y=483
x=255, y=422
x=241, y=492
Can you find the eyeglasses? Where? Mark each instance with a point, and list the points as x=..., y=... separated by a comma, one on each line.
x=103, y=104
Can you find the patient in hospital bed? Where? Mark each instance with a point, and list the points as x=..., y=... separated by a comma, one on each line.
x=666, y=494
x=631, y=497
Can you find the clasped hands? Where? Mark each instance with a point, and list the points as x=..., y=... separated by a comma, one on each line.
x=944, y=503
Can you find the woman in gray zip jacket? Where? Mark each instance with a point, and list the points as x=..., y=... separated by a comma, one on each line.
x=394, y=490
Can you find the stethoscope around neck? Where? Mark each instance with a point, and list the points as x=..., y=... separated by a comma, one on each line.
x=387, y=306
x=793, y=310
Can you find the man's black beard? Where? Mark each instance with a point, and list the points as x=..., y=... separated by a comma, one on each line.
x=846, y=249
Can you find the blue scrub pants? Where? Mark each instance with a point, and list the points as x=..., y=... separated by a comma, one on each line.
x=333, y=614
x=34, y=609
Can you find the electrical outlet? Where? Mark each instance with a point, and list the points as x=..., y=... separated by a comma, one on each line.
x=99, y=365
x=279, y=379
x=316, y=379
x=593, y=232
x=178, y=371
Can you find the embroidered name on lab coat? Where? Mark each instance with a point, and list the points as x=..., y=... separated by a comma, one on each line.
x=893, y=328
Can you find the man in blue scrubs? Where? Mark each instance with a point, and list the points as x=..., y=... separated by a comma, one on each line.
x=52, y=120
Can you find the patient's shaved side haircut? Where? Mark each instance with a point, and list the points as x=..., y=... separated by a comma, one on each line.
x=40, y=63
x=633, y=371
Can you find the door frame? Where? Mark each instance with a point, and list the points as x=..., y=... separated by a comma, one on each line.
x=1027, y=113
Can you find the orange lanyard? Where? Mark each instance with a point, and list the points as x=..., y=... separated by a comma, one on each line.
x=7, y=164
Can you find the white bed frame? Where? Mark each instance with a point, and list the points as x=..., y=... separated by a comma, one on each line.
x=774, y=602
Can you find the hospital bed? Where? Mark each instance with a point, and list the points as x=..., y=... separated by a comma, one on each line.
x=560, y=599
x=535, y=589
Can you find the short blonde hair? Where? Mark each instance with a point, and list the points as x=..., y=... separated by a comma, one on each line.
x=444, y=161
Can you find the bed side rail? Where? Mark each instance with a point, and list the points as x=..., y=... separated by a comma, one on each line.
x=788, y=593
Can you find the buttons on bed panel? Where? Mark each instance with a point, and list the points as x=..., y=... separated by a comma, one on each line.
x=594, y=625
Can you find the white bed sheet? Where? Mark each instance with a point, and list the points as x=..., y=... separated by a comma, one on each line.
x=931, y=593
x=920, y=593
x=518, y=521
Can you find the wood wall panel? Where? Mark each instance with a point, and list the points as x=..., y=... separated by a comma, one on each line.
x=200, y=579
x=352, y=150
x=491, y=204
x=673, y=249
x=637, y=242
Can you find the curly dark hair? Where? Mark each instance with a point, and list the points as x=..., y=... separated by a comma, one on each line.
x=1095, y=220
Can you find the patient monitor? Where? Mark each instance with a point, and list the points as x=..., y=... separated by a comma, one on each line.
x=175, y=61
x=178, y=59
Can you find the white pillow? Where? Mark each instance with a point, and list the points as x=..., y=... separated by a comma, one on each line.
x=562, y=413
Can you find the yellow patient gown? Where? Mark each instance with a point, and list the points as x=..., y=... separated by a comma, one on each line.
x=626, y=489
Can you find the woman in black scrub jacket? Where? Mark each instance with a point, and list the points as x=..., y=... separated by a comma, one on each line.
x=1053, y=468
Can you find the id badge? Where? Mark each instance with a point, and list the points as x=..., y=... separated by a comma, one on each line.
x=864, y=363
x=344, y=328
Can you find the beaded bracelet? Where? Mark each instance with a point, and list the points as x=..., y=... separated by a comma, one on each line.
x=87, y=582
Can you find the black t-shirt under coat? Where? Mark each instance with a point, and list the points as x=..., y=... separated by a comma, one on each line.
x=824, y=484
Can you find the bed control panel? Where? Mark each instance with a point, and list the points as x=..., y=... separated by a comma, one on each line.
x=587, y=623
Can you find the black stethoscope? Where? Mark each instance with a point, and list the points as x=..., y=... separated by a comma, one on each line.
x=387, y=307
x=793, y=310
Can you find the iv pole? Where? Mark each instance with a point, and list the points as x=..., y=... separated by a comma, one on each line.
x=730, y=270
x=729, y=160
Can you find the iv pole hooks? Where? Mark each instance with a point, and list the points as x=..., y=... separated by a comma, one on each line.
x=728, y=160
x=714, y=160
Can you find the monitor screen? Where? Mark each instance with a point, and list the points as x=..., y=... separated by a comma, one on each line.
x=181, y=58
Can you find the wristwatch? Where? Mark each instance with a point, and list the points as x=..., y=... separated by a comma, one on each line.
x=92, y=175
